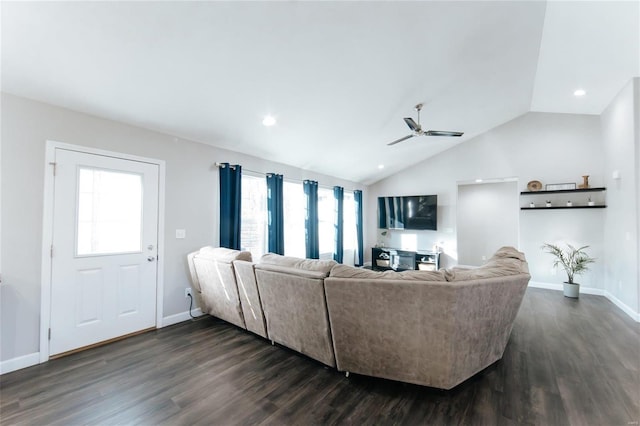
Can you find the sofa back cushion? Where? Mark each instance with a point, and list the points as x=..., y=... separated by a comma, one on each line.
x=315, y=265
x=250, y=297
x=506, y=261
x=213, y=254
x=225, y=255
x=344, y=271
x=295, y=310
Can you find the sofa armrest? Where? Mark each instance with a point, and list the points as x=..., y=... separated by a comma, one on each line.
x=192, y=271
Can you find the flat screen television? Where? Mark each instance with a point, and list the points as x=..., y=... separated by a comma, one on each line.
x=408, y=212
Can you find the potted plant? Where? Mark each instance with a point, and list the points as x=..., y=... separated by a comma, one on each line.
x=574, y=261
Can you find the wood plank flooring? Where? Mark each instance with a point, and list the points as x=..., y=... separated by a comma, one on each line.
x=569, y=362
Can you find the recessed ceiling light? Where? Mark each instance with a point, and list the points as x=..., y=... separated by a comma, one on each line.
x=381, y=166
x=478, y=180
x=579, y=92
x=269, y=120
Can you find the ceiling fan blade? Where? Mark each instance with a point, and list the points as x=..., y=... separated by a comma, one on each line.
x=400, y=140
x=412, y=124
x=443, y=133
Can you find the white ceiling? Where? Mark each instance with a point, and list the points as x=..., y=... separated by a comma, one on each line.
x=339, y=76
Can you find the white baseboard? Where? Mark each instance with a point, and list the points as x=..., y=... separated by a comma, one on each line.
x=559, y=287
x=595, y=291
x=19, y=363
x=182, y=316
x=624, y=308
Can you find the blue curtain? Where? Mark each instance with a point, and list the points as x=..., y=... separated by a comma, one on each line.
x=275, y=216
x=230, y=196
x=338, y=248
x=357, y=195
x=312, y=240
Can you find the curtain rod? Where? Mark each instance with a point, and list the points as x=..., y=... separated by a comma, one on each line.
x=233, y=166
x=289, y=179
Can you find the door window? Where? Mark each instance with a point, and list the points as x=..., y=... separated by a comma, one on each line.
x=109, y=218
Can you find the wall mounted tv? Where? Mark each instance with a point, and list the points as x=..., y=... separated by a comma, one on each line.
x=409, y=212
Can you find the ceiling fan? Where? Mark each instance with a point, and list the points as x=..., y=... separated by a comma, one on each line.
x=417, y=129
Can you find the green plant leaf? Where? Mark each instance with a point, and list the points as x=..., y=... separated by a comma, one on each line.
x=573, y=260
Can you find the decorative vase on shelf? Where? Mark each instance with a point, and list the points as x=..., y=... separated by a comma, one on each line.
x=548, y=204
x=591, y=203
x=569, y=204
x=532, y=205
x=585, y=182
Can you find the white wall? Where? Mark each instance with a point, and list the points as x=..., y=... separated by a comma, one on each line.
x=191, y=202
x=552, y=148
x=621, y=137
x=487, y=219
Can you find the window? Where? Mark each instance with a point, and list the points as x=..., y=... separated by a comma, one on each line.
x=326, y=215
x=294, y=211
x=109, y=216
x=253, y=224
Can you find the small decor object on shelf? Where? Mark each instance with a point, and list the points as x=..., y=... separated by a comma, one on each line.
x=574, y=261
x=590, y=203
x=548, y=203
x=534, y=185
x=585, y=182
x=569, y=203
x=559, y=186
x=532, y=204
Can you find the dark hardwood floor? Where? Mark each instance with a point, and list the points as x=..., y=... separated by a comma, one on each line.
x=568, y=362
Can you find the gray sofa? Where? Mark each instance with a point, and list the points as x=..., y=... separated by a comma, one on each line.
x=250, y=297
x=213, y=277
x=430, y=328
x=293, y=301
x=433, y=328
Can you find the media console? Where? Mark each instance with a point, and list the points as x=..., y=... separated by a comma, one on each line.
x=383, y=259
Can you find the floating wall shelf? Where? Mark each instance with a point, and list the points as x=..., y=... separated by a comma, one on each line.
x=563, y=191
x=563, y=207
x=582, y=205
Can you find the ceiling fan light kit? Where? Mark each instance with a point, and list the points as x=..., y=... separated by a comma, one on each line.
x=416, y=128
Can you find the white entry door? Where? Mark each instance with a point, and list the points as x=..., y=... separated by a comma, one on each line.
x=104, y=252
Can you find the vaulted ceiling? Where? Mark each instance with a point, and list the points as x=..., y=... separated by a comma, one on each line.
x=338, y=76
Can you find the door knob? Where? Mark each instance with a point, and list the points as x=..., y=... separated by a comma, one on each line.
x=151, y=258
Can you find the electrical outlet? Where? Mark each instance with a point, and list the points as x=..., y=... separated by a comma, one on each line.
x=187, y=292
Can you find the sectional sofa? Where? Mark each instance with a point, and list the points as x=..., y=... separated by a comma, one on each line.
x=432, y=328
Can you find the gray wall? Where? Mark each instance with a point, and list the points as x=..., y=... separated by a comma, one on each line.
x=191, y=202
x=487, y=219
x=620, y=134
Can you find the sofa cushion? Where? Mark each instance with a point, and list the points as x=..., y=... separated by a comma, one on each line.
x=501, y=264
x=299, y=272
x=344, y=271
x=508, y=252
x=222, y=254
x=322, y=266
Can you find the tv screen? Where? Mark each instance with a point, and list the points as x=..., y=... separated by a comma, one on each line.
x=408, y=212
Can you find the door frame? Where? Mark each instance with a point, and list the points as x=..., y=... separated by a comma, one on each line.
x=47, y=233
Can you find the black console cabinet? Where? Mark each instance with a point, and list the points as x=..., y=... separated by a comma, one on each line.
x=383, y=259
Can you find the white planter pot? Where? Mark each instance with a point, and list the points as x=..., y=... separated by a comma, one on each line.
x=571, y=290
